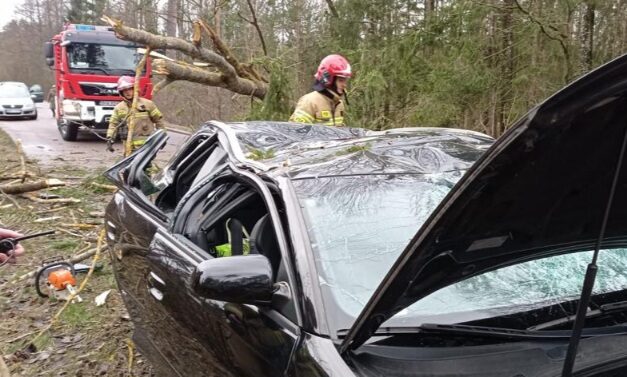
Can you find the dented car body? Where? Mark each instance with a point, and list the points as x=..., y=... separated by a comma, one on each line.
x=407, y=252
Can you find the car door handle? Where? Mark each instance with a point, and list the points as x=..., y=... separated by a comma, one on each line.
x=156, y=285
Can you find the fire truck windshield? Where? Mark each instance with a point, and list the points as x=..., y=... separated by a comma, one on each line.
x=92, y=58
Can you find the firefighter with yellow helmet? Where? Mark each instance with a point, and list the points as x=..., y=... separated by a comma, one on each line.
x=325, y=105
x=148, y=118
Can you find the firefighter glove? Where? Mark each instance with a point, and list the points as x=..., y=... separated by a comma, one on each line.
x=110, y=145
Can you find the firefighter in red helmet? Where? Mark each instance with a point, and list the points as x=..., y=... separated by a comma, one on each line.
x=148, y=118
x=325, y=105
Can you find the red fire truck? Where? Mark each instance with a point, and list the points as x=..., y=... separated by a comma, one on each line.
x=87, y=61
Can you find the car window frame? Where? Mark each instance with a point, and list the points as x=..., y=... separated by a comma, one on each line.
x=254, y=183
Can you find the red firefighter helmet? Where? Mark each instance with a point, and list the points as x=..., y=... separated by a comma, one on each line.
x=125, y=82
x=331, y=67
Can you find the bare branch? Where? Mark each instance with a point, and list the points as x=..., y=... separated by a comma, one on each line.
x=255, y=23
x=245, y=71
x=559, y=39
x=332, y=8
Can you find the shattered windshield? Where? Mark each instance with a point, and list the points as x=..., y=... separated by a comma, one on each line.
x=359, y=225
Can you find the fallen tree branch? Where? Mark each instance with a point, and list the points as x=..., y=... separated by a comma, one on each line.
x=106, y=187
x=31, y=186
x=50, y=210
x=17, y=176
x=175, y=71
x=20, y=152
x=4, y=371
x=51, y=201
x=15, y=203
x=242, y=70
x=230, y=74
x=79, y=225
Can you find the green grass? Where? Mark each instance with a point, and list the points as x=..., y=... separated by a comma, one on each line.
x=43, y=341
x=77, y=315
x=64, y=245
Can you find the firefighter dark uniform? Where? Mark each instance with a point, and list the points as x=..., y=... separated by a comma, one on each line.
x=148, y=118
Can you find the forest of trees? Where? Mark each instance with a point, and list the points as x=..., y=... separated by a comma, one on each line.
x=476, y=64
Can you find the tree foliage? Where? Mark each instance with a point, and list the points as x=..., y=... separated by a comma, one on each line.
x=465, y=63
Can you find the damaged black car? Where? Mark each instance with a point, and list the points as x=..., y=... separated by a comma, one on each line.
x=282, y=249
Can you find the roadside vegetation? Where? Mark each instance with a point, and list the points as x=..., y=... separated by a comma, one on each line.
x=86, y=340
x=450, y=63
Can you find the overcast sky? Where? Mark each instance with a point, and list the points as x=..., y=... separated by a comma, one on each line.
x=7, y=11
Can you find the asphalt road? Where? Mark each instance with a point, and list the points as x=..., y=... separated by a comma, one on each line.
x=42, y=142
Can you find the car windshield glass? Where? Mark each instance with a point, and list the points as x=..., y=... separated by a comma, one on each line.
x=13, y=91
x=521, y=287
x=358, y=227
x=107, y=59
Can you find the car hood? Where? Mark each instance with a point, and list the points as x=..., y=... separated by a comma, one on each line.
x=541, y=189
x=16, y=101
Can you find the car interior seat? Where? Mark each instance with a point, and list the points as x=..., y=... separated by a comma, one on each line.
x=263, y=241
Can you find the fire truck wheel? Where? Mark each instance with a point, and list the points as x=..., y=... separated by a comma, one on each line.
x=69, y=131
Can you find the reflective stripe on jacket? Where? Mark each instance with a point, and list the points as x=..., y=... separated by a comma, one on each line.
x=317, y=108
x=147, y=119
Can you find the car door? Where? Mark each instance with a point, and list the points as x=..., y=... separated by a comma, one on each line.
x=132, y=219
x=223, y=338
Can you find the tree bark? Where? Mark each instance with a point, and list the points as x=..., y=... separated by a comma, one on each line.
x=506, y=67
x=174, y=71
x=170, y=26
x=230, y=74
x=587, y=37
x=30, y=186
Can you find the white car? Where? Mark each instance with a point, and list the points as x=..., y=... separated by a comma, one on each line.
x=16, y=102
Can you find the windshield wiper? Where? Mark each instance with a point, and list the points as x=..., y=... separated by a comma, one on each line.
x=471, y=331
x=603, y=309
x=494, y=332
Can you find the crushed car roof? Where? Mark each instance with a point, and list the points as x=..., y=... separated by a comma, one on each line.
x=304, y=151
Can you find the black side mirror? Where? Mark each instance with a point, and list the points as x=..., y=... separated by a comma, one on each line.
x=50, y=62
x=244, y=279
x=49, y=51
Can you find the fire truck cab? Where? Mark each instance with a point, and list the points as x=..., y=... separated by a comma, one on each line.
x=87, y=61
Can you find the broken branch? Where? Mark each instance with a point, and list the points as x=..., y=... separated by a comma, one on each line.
x=234, y=81
x=175, y=71
x=20, y=152
x=31, y=186
x=50, y=201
